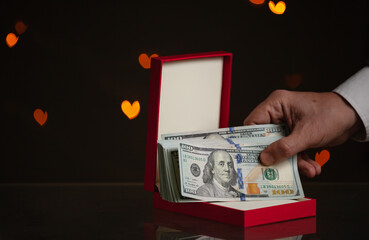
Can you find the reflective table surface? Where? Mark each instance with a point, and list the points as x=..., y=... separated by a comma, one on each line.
x=124, y=211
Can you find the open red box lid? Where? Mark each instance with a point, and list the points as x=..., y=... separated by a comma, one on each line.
x=187, y=93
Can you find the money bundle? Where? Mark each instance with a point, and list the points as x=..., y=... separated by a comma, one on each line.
x=224, y=165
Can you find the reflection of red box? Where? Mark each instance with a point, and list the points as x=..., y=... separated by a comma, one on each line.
x=190, y=93
x=172, y=222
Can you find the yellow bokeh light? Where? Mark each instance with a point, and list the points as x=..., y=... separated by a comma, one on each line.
x=278, y=8
x=131, y=111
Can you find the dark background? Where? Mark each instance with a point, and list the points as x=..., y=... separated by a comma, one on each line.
x=79, y=60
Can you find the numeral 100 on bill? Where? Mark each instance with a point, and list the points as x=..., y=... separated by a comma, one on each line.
x=282, y=192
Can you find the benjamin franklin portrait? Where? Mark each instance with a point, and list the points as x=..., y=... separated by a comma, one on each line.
x=219, y=176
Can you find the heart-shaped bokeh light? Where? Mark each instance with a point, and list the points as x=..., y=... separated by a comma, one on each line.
x=131, y=111
x=278, y=8
x=11, y=40
x=20, y=27
x=257, y=2
x=40, y=116
x=322, y=157
x=145, y=60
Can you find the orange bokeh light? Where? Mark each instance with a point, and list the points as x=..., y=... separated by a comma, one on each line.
x=11, y=39
x=278, y=8
x=131, y=111
x=257, y=2
x=322, y=157
x=293, y=80
x=20, y=27
x=40, y=116
x=145, y=60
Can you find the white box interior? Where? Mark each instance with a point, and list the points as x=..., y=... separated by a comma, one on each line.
x=190, y=95
x=251, y=205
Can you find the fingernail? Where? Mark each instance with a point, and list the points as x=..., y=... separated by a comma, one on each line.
x=266, y=158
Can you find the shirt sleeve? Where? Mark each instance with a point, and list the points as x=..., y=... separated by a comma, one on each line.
x=356, y=91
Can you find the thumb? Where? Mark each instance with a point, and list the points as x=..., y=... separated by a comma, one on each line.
x=283, y=149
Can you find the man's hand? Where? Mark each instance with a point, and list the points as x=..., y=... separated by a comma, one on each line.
x=315, y=119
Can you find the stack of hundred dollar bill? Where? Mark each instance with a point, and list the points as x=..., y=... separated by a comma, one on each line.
x=224, y=165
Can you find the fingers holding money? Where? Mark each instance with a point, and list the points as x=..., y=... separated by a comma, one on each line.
x=283, y=149
x=289, y=146
x=315, y=120
x=307, y=166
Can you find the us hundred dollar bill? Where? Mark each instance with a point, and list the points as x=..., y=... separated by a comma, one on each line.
x=234, y=173
x=168, y=161
x=252, y=131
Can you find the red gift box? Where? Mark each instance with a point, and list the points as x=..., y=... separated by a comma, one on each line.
x=190, y=93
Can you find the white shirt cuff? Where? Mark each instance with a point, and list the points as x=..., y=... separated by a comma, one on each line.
x=356, y=91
